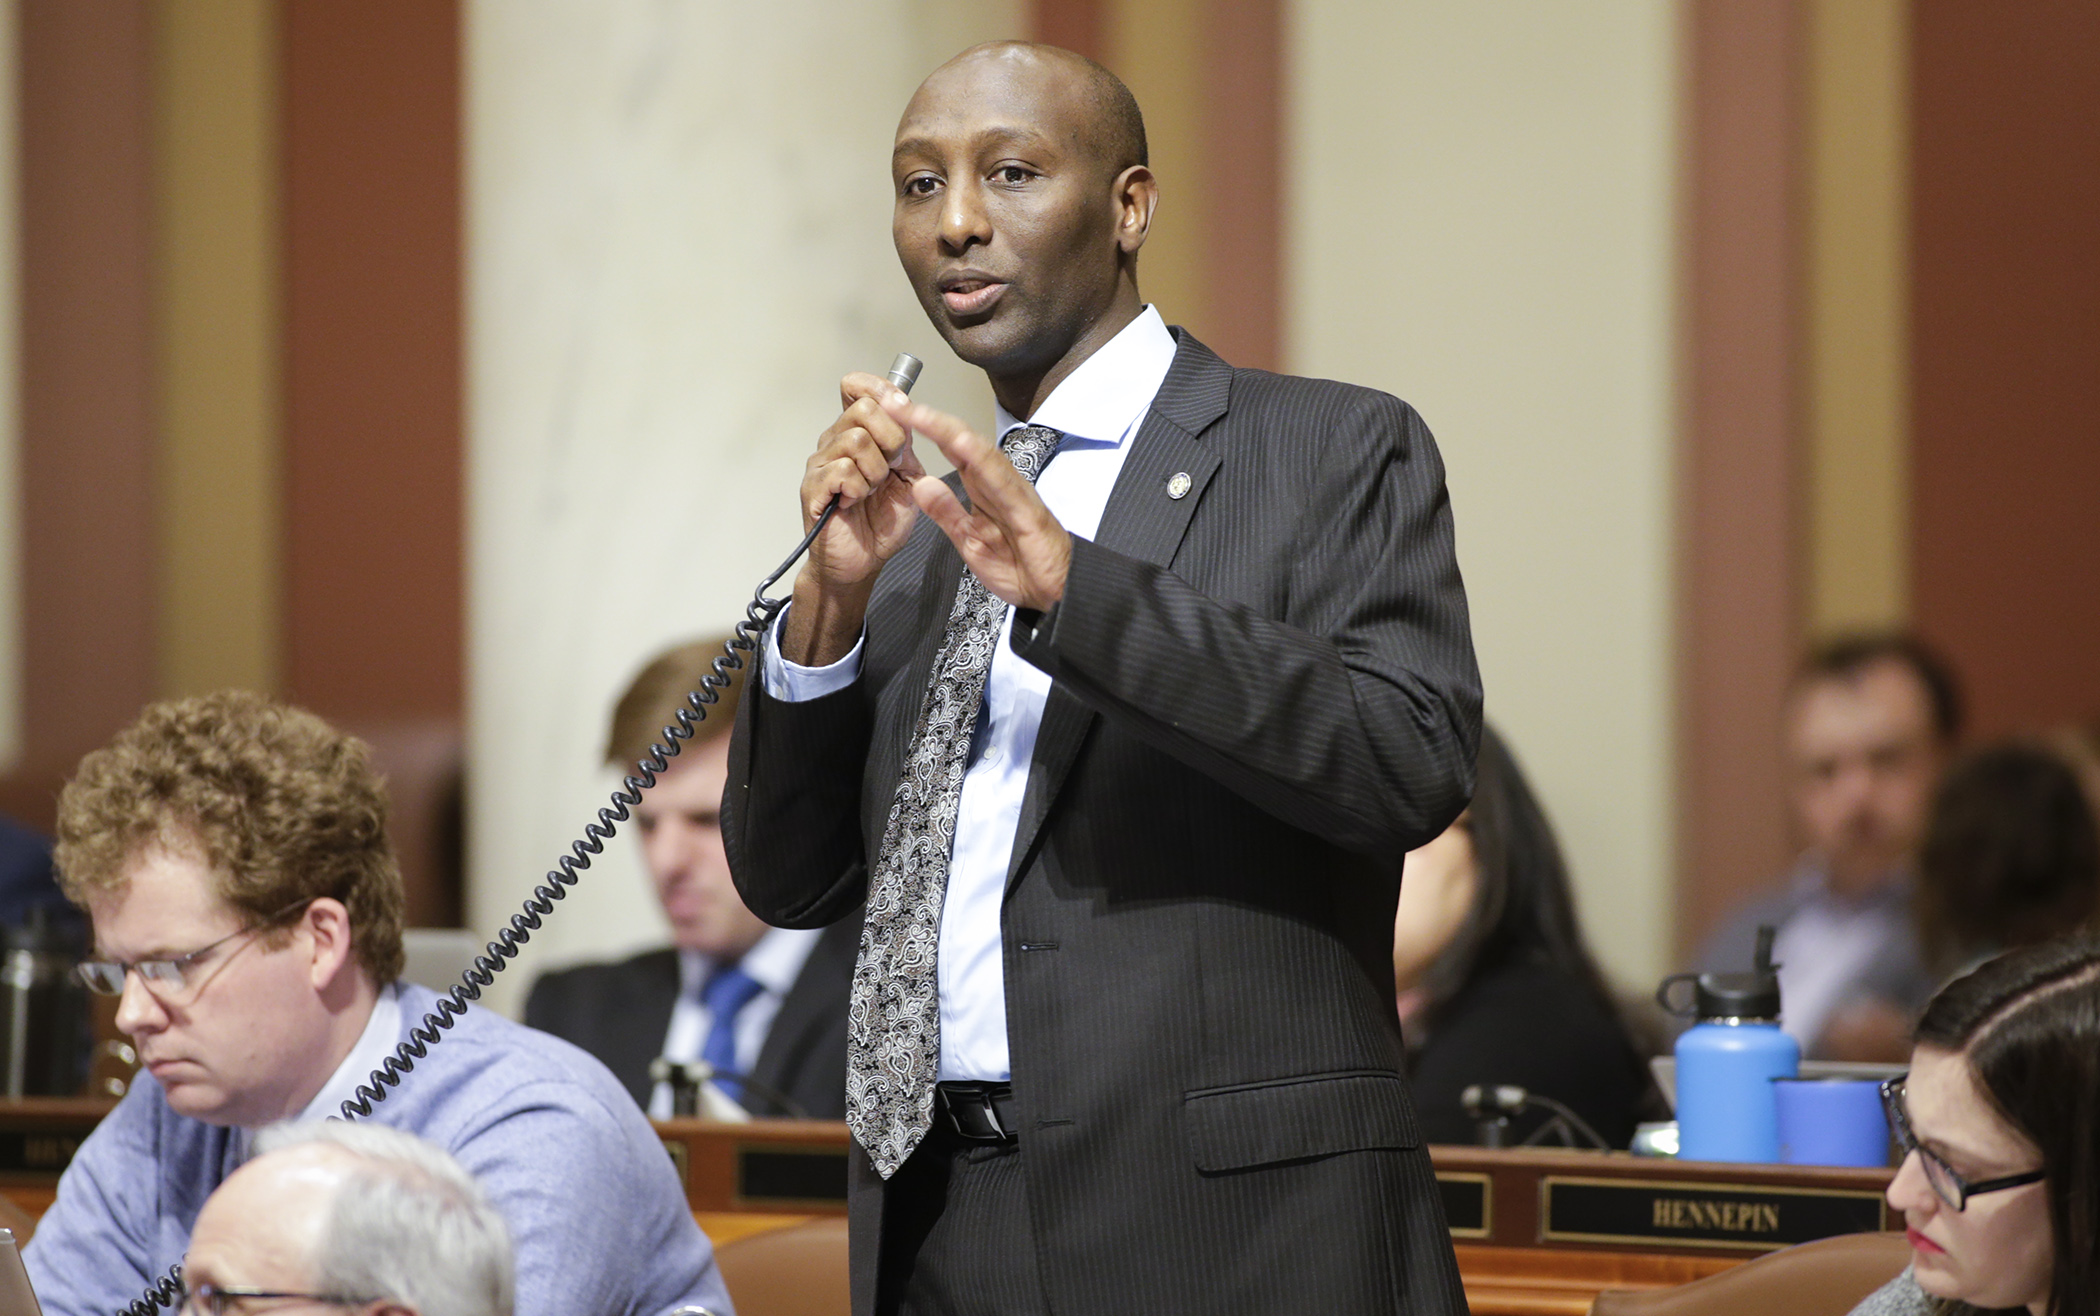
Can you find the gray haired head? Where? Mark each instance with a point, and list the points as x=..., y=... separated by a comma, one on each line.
x=408, y=1223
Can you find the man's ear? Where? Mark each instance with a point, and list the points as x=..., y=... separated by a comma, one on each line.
x=1136, y=195
x=328, y=931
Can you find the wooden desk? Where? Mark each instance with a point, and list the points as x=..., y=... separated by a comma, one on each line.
x=1537, y=1233
x=38, y=1136
x=1542, y=1232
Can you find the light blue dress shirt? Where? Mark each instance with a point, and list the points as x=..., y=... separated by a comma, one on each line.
x=597, y=1215
x=1098, y=408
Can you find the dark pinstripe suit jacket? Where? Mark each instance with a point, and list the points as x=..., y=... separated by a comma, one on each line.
x=1264, y=695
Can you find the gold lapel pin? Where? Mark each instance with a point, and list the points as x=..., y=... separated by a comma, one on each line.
x=1178, y=484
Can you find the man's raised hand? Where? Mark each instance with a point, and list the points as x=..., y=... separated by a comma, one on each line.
x=865, y=458
x=1006, y=535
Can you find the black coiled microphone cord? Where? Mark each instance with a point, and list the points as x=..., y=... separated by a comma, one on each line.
x=451, y=1005
x=167, y=1291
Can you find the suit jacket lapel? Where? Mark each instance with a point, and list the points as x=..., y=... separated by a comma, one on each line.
x=1142, y=520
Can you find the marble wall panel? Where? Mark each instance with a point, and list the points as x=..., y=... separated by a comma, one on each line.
x=678, y=240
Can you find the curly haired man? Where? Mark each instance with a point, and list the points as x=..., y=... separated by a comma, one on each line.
x=232, y=853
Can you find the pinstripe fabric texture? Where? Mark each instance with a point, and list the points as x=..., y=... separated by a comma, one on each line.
x=893, y=1021
x=961, y=1236
x=1264, y=695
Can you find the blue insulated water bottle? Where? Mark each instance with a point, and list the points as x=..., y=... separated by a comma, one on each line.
x=1726, y=1110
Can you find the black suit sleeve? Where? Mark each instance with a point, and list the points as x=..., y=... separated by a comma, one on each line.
x=809, y=872
x=1355, y=718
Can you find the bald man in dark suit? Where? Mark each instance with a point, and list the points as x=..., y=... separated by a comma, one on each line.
x=1122, y=732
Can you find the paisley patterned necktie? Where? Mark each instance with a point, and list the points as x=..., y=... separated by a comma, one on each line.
x=894, y=1019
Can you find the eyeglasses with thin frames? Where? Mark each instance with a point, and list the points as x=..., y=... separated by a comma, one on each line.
x=212, y=1300
x=1947, y=1184
x=171, y=978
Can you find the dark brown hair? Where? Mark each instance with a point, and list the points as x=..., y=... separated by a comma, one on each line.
x=1845, y=657
x=658, y=691
x=1523, y=907
x=278, y=804
x=2028, y=1022
x=2011, y=856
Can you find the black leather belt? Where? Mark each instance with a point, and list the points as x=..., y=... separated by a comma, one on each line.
x=976, y=1112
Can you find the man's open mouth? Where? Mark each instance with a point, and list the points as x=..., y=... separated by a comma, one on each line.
x=970, y=293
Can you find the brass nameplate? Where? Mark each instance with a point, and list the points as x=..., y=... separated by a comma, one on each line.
x=38, y=1153
x=1469, y=1203
x=1700, y=1214
x=777, y=1175
x=681, y=1161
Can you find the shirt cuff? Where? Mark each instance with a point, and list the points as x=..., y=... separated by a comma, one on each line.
x=795, y=684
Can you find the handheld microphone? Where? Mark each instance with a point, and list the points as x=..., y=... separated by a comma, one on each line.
x=904, y=371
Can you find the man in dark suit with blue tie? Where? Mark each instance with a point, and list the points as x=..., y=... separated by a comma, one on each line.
x=1121, y=732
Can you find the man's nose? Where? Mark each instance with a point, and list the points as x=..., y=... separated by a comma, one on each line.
x=138, y=1010
x=667, y=851
x=1855, y=783
x=963, y=219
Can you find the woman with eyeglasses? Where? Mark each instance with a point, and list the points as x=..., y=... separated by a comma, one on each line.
x=1999, y=1123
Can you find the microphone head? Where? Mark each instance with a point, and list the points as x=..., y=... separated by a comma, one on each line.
x=1493, y=1100
x=904, y=371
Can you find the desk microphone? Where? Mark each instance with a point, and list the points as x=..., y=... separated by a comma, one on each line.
x=686, y=1076
x=1491, y=1106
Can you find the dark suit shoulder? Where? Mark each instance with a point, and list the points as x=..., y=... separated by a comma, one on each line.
x=586, y=992
x=1201, y=387
x=1325, y=412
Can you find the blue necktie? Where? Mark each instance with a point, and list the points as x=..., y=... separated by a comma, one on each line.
x=727, y=992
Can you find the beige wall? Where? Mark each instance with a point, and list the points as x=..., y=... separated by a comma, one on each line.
x=678, y=240
x=1480, y=220
x=10, y=410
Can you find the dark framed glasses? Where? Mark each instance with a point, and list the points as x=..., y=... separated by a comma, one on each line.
x=1946, y=1183
x=175, y=977
x=212, y=1300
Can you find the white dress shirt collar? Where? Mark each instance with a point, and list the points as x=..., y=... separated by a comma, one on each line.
x=773, y=963
x=1112, y=388
x=382, y=1032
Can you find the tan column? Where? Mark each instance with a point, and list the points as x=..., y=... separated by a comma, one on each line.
x=1857, y=312
x=215, y=338
x=1208, y=75
x=1155, y=46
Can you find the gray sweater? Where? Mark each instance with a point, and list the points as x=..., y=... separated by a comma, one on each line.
x=595, y=1209
x=1901, y=1296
